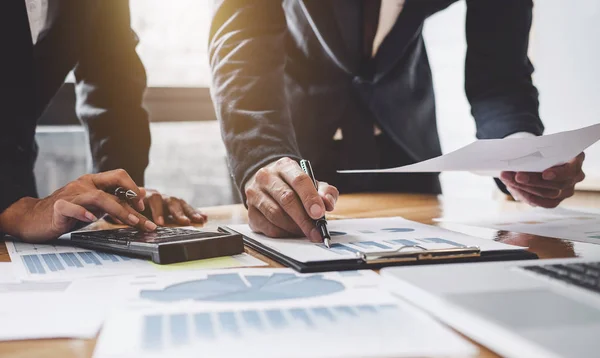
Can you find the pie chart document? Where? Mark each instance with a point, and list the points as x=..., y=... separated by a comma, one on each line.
x=270, y=313
x=353, y=236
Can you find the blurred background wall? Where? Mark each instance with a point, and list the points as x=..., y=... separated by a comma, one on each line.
x=188, y=159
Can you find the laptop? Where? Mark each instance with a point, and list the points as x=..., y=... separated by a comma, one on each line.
x=542, y=308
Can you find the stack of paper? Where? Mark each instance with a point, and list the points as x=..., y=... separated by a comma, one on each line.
x=35, y=301
x=270, y=313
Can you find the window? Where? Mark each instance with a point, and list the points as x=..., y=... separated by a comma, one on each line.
x=173, y=41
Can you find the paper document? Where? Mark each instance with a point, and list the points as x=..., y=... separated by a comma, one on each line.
x=272, y=313
x=492, y=156
x=558, y=223
x=370, y=235
x=66, y=263
x=50, y=315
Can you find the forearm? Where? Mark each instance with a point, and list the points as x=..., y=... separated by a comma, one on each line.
x=498, y=72
x=247, y=60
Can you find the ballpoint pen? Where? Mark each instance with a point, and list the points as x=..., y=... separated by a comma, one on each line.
x=125, y=194
x=322, y=222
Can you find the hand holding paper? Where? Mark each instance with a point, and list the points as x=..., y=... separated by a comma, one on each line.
x=546, y=189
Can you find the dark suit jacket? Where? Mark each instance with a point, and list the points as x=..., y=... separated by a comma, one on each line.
x=94, y=39
x=287, y=74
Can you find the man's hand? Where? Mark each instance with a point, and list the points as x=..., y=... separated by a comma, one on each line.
x=282, y=201
x=84, y=199
x=547, y=189
x=167, y=208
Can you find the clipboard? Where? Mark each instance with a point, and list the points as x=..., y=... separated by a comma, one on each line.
x=401, y=257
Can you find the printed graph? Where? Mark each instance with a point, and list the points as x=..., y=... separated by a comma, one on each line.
x=236, y=287
x=357, y=247
x=42, y=264
x=167, y=331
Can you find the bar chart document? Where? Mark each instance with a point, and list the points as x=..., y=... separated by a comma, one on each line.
x=274, y=313
x=64, y=263
x=492, y=156
x=353, y=236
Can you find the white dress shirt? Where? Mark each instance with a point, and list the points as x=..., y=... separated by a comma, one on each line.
x=37, y=10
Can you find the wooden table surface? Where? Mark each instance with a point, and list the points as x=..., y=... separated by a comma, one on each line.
x=422, y=208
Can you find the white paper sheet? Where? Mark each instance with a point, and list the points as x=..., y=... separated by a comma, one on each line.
x=65, y=263
x=558, y=223
x=492, y=156
x=50, y=315
x=271, y=313
x=370, y=235
x=7, y=274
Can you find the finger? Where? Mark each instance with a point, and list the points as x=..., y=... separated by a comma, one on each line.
x=541, y=192
x=111, y=206
x=565, y=171
x=534, y=200
x=193, y=214
x=329, y=194
x=536, y=180
x=118, y=178
x=155, y=202
x=276, y=214
x=304, y=187
x=258, y=223
x=288, y=200
x=73, y=211
x=176, y=210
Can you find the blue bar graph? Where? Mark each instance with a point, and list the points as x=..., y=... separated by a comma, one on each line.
x=341, y=249
x=179, y=329
x=276, y=318
x=74, y=259
x=345, y=310
x=49, y=262
x=57, y=262
x=85, y=257
x=92, y=257
x=367, y=308
x=38, y=264
x=65, y=261
x=252, y=319
x=403, y=242
x=160, y=332
x=152, y=333
x=204, y=326
x=371, y=245
x=229, y=323
x=29, y=263
x=301, y=315
x=437, y=240
x=323, y=312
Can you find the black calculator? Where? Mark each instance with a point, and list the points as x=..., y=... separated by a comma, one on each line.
x=165, y=245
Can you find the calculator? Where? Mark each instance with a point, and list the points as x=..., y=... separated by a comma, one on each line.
x=165, y=245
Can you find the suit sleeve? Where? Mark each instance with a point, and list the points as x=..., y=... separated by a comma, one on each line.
x=498, y=71
x=247, y=57
x=110, y=83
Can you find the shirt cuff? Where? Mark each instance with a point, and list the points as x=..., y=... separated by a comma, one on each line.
x=521, y=135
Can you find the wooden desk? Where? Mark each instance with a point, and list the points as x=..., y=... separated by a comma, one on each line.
x=421, y=208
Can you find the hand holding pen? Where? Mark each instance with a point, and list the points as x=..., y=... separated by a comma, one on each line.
x=283, y=202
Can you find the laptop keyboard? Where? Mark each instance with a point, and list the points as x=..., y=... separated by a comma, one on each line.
x=585, y=275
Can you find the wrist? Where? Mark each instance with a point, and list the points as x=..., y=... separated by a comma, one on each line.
x=13, y=220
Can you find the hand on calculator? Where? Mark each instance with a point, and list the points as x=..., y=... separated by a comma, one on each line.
x=85, y=200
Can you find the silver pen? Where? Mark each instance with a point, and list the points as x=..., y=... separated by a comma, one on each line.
x=322, y=222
